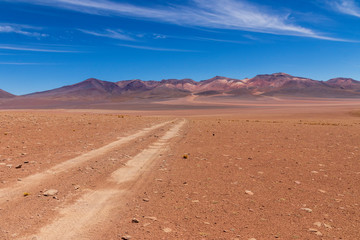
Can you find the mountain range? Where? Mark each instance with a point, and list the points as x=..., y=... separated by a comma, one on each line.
x=277, y=84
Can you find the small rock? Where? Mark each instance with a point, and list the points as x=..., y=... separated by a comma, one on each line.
x=317, y=232
x=195, y=201
x=76, y=187
x=126, y=237
x=307, y=209
x=322, y=191
x=167, y=230
x=327, y=226
x=19, y=179
x=18, y=166
x=314, y=172
x=134, y=220
x=318, y=224
x=26, y=162
x=248, y=192
x=50, y=192
x=298, y=182
x=151, y=218
x=146, y=199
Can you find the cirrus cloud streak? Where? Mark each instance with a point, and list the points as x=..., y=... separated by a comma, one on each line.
x=215, y=14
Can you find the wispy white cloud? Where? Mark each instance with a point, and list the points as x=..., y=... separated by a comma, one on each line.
x=109, y=33
x=216, y=14
x=155, y=48
x=349, y=7
x=219, y=40
x=33, y=49
x=205, y=39
x=20, y=29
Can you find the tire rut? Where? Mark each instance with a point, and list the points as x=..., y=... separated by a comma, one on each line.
x=79, y=220
x=18, y=188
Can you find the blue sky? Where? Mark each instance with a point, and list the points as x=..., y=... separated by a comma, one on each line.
x=46, y=44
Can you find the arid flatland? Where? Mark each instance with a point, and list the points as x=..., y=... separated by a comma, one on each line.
x=271, y=174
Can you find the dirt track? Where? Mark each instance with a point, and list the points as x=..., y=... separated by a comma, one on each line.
x=259, y=178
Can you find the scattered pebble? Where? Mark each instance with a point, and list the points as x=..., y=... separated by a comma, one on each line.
x=297, y=182
x=307, y=209
x=327, y=226
x=134, y=220
x=126, y=237
x=318, y=224
x=50, y=192
x=151, y=218
x=146, y=199
x=18, y=166
x=248, y=192
x=317, y=232
x=167, y=230
x=322, y=191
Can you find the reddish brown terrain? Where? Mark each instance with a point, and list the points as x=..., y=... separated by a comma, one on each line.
x=183, y=169
x=272, y=157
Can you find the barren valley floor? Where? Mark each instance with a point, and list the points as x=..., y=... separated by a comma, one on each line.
x=283, y=174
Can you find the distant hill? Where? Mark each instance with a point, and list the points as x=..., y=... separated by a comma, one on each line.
x=344, y=83
x=277, y=84
x=4, y=94
x=90, y=88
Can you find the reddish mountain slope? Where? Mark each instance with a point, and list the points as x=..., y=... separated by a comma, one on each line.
x=90, y=88
x=344, y=83
x=279, y=80
x=4, y=94
x=282, y=84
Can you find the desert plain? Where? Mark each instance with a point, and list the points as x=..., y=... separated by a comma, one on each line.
x=182, y=170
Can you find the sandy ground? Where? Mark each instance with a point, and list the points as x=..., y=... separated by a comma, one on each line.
x=279, y=173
